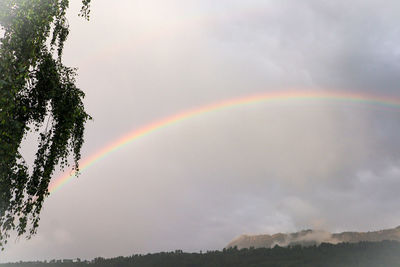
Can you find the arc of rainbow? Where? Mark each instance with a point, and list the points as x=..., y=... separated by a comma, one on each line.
x=235, y=102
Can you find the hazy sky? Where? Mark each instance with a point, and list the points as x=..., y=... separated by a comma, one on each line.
x=263, y=168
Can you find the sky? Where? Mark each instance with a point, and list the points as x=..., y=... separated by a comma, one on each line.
x=256, y=169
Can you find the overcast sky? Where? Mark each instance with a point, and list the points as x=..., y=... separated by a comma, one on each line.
x=257, y=169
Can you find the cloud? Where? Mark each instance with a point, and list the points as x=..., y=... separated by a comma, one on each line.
x=258, y=169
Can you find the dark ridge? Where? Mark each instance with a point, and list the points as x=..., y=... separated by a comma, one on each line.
x=362, y=254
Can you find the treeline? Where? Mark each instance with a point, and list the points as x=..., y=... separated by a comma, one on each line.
x=363, y=254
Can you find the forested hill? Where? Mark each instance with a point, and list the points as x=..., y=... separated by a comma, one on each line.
x=312, y=237
x=363, y=254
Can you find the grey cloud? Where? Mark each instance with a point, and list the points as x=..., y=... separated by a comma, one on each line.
x=262, y=168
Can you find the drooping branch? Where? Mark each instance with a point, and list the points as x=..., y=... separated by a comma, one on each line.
x=35, y=85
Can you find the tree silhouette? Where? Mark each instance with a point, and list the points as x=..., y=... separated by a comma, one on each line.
x=363, y=254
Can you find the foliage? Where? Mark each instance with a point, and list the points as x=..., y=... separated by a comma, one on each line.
x=363, y=254
x=37, y=93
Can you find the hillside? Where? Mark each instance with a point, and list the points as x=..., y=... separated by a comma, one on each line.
x=312, y=237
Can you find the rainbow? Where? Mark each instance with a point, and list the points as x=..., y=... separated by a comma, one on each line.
x=292, y=95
